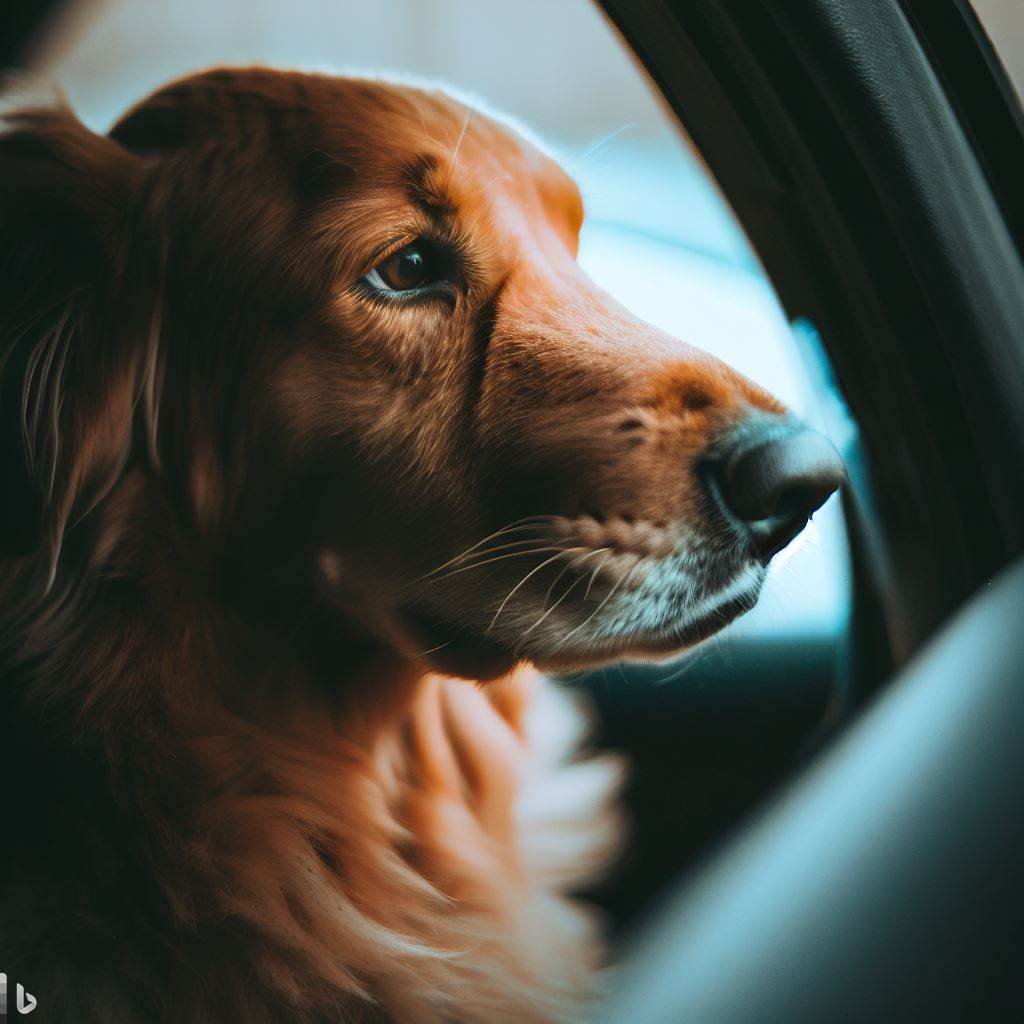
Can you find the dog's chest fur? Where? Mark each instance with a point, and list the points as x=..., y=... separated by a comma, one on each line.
x=409, y=860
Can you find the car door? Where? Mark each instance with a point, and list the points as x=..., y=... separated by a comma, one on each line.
x=872, y=151
x=886, y=884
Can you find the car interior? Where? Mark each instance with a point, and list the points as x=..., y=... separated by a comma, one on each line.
x=825, y=816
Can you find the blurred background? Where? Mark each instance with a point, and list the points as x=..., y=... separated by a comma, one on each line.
x=658, y=235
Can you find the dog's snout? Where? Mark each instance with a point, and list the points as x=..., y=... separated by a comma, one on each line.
x=772, y=480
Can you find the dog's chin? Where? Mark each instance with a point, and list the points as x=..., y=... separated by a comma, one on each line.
x=460, y=651
x=642, y=646
x=455, y=651
x=651, y=645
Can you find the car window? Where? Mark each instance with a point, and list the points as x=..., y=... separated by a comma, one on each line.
x=1003, y=21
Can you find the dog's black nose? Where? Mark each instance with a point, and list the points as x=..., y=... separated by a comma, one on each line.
x=771, y=480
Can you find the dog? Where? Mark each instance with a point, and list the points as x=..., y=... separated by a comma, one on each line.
x=319, y=449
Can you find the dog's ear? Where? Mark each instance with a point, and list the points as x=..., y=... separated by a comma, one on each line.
x=69, y=375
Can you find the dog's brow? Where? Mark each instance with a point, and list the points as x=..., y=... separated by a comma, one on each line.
x=422, y=183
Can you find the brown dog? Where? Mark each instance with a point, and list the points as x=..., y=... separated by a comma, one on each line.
x=309, y=416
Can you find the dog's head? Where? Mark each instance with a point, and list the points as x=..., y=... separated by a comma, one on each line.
x=340, y=324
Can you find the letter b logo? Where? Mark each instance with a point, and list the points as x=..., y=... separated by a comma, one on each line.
x=26, y=1002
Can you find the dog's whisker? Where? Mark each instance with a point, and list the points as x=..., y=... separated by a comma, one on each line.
x=596, y=573
x=487, y=184
x=501, y=558
x=603, y=142
x=494, y=549
x=519, y=524
x=568, y=567
x=433, y=650
x=684, y=665
x=478, y=551
x=533, y=572
x=423, y=121
x=565, y=593
x=483, y=557
x=458, y=144
x=611, y=593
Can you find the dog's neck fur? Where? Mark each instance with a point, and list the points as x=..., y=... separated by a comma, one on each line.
x=314, y=825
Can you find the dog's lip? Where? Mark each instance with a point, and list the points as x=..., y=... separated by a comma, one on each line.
x=721, y=609
x=457, y=650
x=713, y=621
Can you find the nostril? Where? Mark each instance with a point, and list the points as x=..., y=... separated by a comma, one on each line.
x=799, y=501
x=773, y=485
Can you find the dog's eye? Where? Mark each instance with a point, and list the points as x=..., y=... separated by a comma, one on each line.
x=419, y=265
